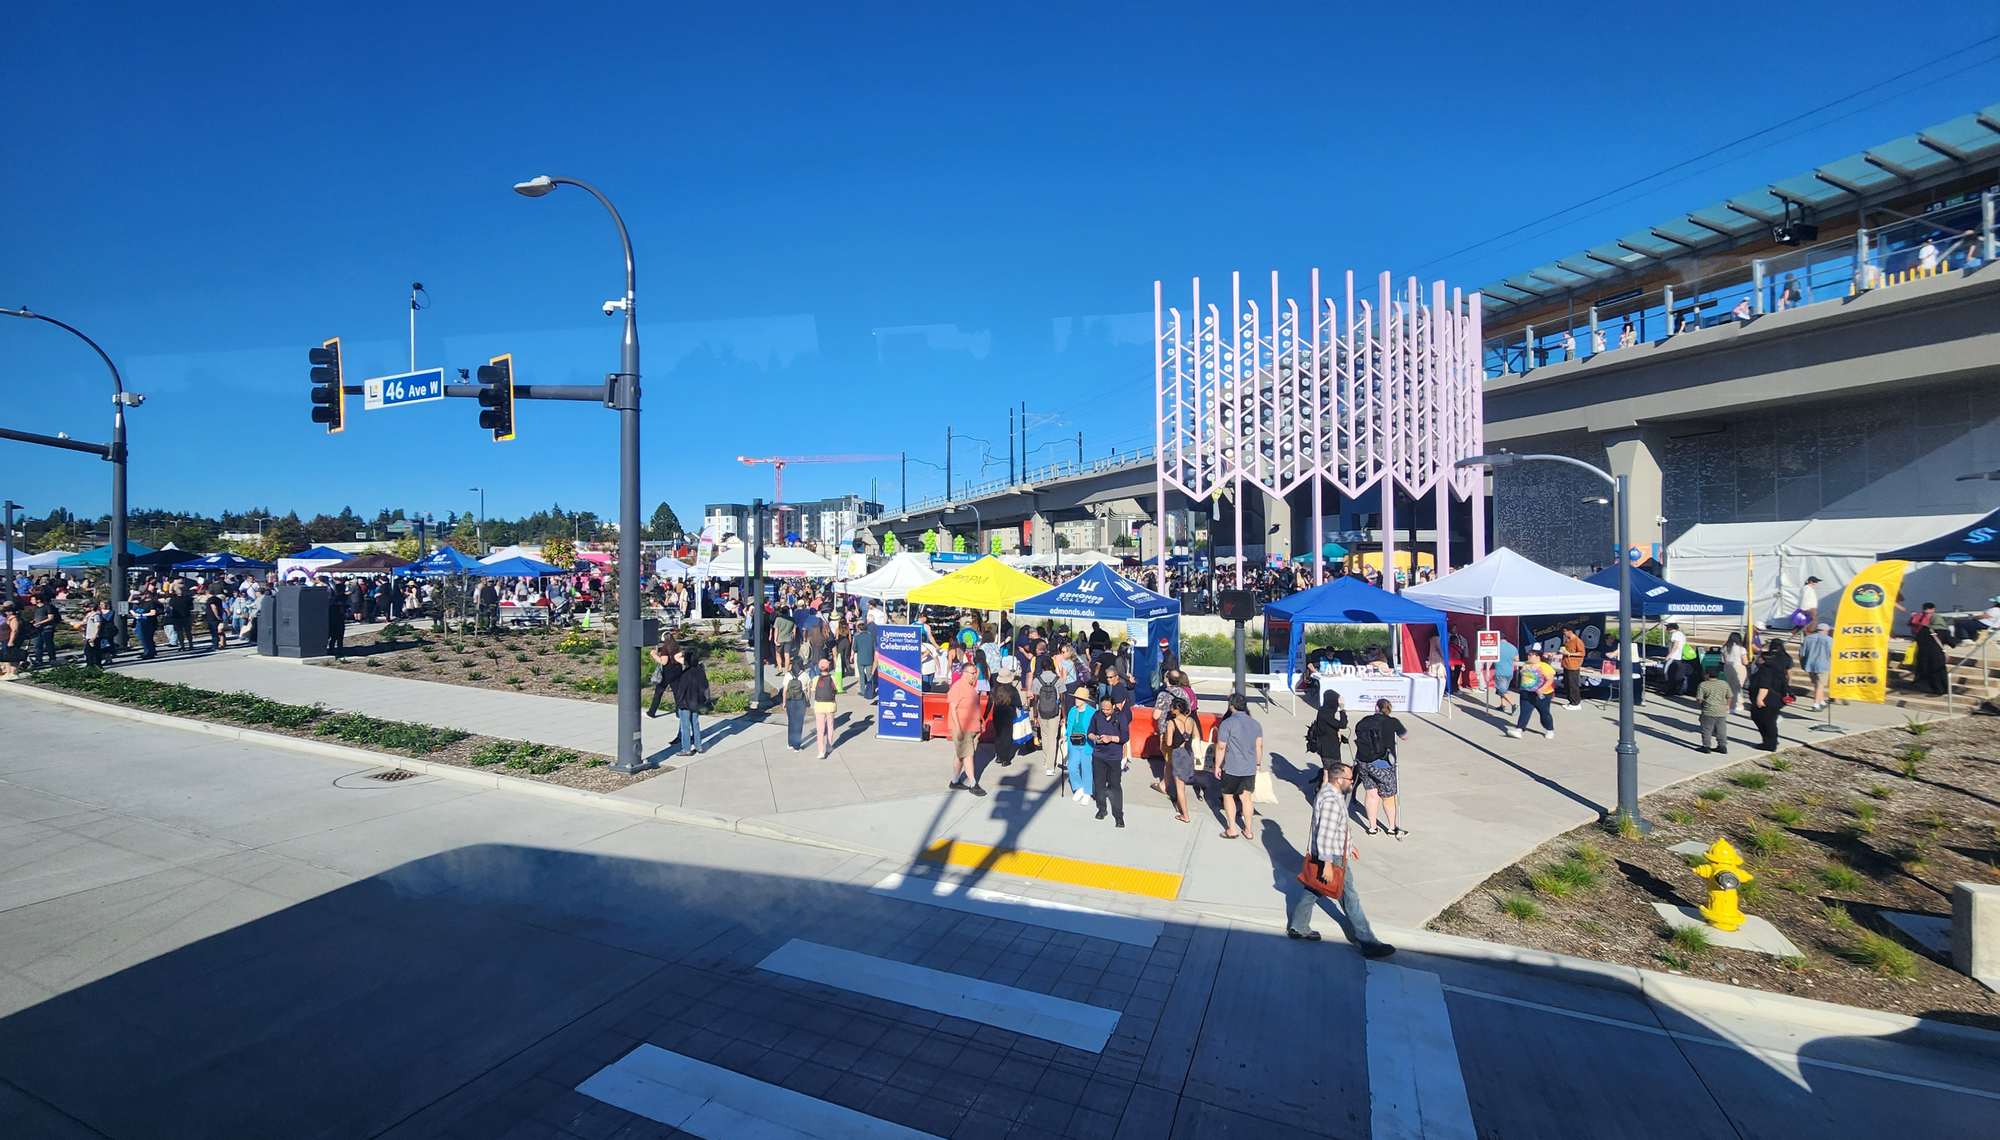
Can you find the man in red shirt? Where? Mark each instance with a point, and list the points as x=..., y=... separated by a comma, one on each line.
x=962, y=723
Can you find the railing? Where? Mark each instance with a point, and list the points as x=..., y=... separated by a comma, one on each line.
x=1061, y=469
x=1958, y=236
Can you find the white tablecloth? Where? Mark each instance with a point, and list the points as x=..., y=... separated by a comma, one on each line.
x=1407, y=692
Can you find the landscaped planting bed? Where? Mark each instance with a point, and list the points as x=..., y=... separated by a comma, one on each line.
x=1835, y=833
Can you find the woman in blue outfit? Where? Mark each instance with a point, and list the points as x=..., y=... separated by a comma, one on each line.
x=1076, y=743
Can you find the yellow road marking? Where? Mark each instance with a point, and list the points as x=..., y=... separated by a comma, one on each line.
x=1054, y=868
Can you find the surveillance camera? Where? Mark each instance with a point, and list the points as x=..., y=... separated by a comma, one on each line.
x=611, y=307
x=1659, y=520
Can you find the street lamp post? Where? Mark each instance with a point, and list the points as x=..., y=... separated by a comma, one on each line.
x=978, y=524
x=11, y=507
x=622, y=393
x=479, y=531
x=120, y=400
x=1628, y=748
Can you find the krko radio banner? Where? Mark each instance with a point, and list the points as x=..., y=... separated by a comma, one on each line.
x=1861, y=633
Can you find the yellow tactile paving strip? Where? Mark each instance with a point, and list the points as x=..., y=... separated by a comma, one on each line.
x=1054, y=868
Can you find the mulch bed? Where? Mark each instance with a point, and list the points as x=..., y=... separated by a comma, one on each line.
x=541, y=660
x=1834, y=832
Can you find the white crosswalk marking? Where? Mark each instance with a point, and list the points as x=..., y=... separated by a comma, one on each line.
x=1007, y=1007
x=1415, y=1088
x=1020, y=908
x=716, y=1104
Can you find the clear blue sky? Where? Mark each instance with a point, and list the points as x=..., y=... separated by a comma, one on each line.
x=855, y=224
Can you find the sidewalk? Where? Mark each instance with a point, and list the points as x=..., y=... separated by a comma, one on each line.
x=1473, y=800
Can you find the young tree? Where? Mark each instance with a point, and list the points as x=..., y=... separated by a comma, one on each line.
x=664, y=525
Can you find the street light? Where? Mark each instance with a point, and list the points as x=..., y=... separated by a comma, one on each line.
x=978, y=524
x=622, y=393
x=479, y=532
x=11, y=507
x=120, y=400
x=1993, y=475
x=1628, y=749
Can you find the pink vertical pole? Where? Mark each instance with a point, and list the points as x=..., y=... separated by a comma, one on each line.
x=1443, y=416
x=1476, y=376
x=1381, y=399
x=1159, y=447
x=1318, y=466
x=1236, y=408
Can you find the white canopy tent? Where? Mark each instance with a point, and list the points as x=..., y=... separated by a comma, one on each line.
x=46, y=560
x=1065, y=559
x=1724, y=558
x=894, y=581
x=514, y=551
x=1506, y=584
x=779, y=562
x=672, y=568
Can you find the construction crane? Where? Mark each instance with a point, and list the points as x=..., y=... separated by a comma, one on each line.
x=778, y=463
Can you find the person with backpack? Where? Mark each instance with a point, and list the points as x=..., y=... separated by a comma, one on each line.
x=795, y=689
x=864, y=658
x=825, y=692
x=690, y=697
x=1375, y=740
x=98, y=631
x=1325, y=734
x=1045, y=690
x=1534, y=682
x=784, y=635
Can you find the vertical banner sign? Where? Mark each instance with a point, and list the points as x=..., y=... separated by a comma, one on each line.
x=899, y=675
x=1861, y=633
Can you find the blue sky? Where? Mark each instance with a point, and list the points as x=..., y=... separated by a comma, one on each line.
x=855, y=224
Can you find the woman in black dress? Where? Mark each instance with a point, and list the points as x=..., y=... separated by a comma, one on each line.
x=1932, y=673
x=1768, y=685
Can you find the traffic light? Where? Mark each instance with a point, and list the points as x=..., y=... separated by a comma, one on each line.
x=496, y=397
x=328, y=407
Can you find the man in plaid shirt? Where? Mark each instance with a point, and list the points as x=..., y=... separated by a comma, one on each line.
x=1330, y=843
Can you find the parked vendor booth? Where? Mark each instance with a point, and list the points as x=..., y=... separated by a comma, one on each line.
x=1152, y=621
x=987, y=585
x=1504, y=587
x=1408, y=684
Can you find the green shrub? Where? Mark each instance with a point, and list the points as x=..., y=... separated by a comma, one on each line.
x=1769, y=841
x=1675, y=960
x=475, y=675
x=1879, y=792
x=1754, y=781
x=1521, y=906
x=609, y=659
x=1678, y=816
x=1780, y=764
x=397, y=631
x=1693, y=939
x=731, y=702
x=491, y=752
x=1864, y=811
x=596, y=762
x=405, y=667
x=1786, y=814
x=1837, y=917
x=605, y=682
x=416, y=739
x=577, y=641
x=1715, y=795
x=1916, y=727
x=1840, y=878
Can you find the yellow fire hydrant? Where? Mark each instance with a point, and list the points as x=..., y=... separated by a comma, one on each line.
x=1724, y=872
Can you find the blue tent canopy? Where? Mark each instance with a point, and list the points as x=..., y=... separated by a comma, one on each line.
x=321, y=552
x=1098, y=593
x=1351, y=601
x=224, y=562
x=1979, y=542
x=440, y=563
x=1656, y=597
x=519, y=566
x=101, y=556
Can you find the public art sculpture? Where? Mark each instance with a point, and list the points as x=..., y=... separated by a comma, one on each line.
x=1354, y=393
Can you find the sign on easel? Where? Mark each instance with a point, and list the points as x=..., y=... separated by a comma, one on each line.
x=1489, y=646
x=899, y=678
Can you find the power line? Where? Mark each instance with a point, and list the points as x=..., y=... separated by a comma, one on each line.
x=1718, y=150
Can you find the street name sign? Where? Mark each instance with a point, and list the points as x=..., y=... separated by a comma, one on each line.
x=403, y=388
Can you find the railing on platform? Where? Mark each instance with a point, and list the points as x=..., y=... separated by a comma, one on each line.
x=1957, y=236
x=1062, y=469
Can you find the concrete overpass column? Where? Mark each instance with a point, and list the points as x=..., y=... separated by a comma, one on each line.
x=1277, y=512
x=1041, y=534
x=1636, y=455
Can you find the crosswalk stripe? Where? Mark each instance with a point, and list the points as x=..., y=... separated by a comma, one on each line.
x=716, y=1104
x=1416, y=1090
x=1020, y=908
x=1007, y=1007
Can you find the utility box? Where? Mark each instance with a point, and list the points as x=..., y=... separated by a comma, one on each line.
x=267, y=626
x=297, y=619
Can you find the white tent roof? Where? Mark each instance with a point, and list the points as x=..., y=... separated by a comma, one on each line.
x=779, y=561
x=670, y=567
x=1068, y=559
x=1505, y=584
x=1722, y=558
x=46, y=560
x=514, y=551
x=895, y=580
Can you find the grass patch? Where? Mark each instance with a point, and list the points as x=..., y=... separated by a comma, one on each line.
x=1885, y=956
x=1809, y=799
x=1590, y=928
x=1840, y=878
x=1916, y=727
x=1769, y=841
x=1588, y=855
x=1693, y=939
x=1878, y=792
x=1796, y=886
x=1796, y=963
x=1864, y=811
x=1715, y=795
x=605, y=682
x=596, y=762
x=490, y=753
x=475, y=675
x=1908, y=856
x=1679, y=816
x=1674, y=960
x=1785, y=814
x=1522, y=907
x=1780, y=764
x=1755, y=781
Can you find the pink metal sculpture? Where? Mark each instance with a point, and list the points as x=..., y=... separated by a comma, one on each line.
x=1358, y=395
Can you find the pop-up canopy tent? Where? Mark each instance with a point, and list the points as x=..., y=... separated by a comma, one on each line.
x=894, y=581
x=1977, y=541
x=101, y=556
x=1152, y=620
x=988, y=584
x=514, y=551
x=1655, y=597
x=46, y=560
x=519, y=567
x=223, y=563
x=672, y=568
x=442, y=563
x=1507, y=584
x=366, y=564
x=1351, y=601
x=1767, y=563
x=310, y=561
x=779, y=562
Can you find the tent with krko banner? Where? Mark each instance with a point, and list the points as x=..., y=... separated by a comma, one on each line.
x=1351, y=601
x=1655, y=597
x=894, y=580
x=988, y=584
x=224, y=563
x=1152, y=620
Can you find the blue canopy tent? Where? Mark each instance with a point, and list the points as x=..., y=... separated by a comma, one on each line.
x=1348, y=601
x=1657, y=597
x=223, y=563
x=1100, y=594
x=101, y=556
x=440, y=563
x=319, y=552
x=519, y=566
x=1979, y=542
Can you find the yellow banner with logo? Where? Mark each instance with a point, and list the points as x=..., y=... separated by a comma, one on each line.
x=1861, y=632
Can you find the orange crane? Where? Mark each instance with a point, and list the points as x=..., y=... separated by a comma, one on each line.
x=778, y=462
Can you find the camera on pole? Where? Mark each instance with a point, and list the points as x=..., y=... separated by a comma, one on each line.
x=328, y=407
x=496, y=396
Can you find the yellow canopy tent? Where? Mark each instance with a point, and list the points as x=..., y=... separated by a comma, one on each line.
x=988, y=584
